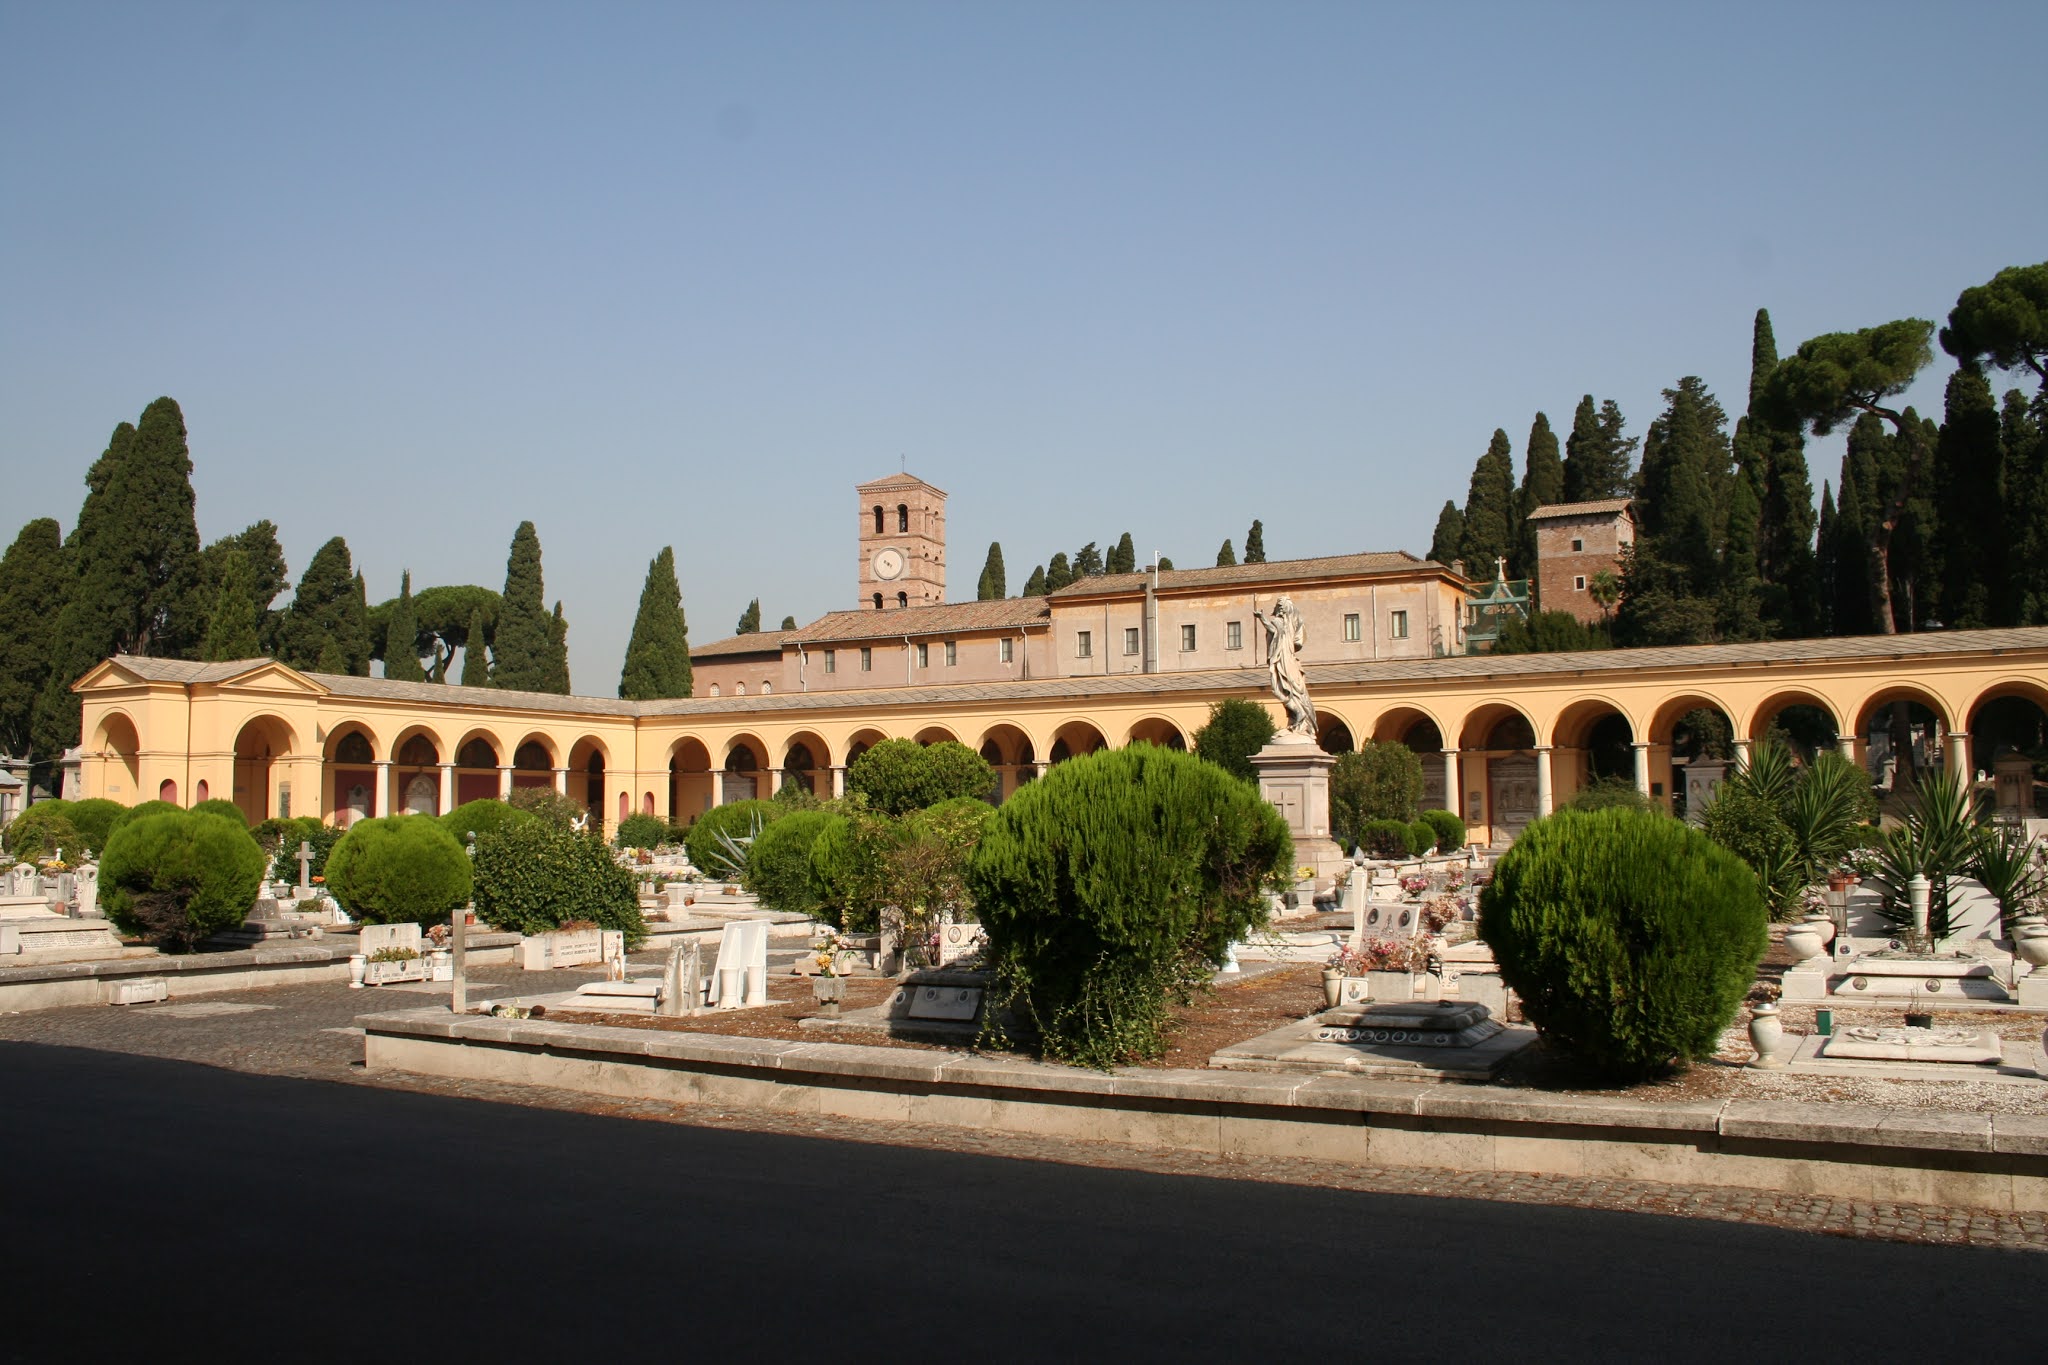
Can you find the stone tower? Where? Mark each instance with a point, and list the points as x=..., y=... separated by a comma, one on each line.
x=902, y=543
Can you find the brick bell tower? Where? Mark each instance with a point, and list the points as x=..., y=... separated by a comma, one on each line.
x=902, y=543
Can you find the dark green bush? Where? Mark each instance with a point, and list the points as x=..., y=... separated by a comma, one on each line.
x=1421, y=838
x=227, y=810
x=1236, y=729
x=1450, y=830
x=550, y=805
x=319, y=839
x=141, y=809
x=1386, y=838
x=1605, y=793
x=44, y=831
x=534, y=876
x=397, y=870
x=1381, y=781
x=1630, y=936
x=94, y=818
x=271, y=834
x=640, y=831
x=779, y=872
x=736, y=820
x=1113, y=886
x=848, y=859
x=178, y=877
x=898, y=776
x=487, y=815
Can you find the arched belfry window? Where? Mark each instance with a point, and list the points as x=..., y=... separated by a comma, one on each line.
x=878, y=601
x=902, y=599
x=878, y=518
x=902, y=516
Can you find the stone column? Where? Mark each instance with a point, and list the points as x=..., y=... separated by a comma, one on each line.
x=1741, y=755
x=1642, y=766
x=717, y=788
x=380, y=792
x=1542, y=780
x=561, y=781
x=1845, y=745
x=1454, y=790
x=1042, y=768
x=504, y=781
x=774, y=782
x=839, y=780
x=447, y=789
x=1959, y=756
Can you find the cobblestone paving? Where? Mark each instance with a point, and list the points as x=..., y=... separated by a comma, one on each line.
x=307, y=1031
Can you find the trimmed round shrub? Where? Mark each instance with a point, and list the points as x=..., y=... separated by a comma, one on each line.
x=550, y=805
x=1236, y=729
x=397, y=870
x=44, y=831
x=533, y=876
x=640, y=831
x=319, y=839
x=1631, y=937
x=1450, y=830
x=1421, y=838
x=178, y=877
x=779, y=871
x=1386, y=838
x=1113, y=886
x=143, y=808
x=848, y=863
x=735, y=820
x=898, y=776
x=485, y=816
x=1605, y=793
x=94, y=818
x=227, y=810
x=272, y=833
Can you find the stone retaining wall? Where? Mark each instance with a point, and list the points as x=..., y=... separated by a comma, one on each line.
x=1956, y=1159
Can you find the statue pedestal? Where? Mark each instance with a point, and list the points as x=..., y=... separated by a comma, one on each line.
x=1294, y=774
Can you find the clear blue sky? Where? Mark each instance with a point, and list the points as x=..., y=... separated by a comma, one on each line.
x=685, y=273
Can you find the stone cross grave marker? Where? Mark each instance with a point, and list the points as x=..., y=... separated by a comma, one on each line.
x=305, y=866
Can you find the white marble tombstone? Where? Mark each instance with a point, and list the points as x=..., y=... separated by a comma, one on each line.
x=88, y=890
x=422, y=795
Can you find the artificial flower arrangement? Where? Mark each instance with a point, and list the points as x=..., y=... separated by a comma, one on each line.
x=825, y=953
x=1415, y=883
x=1455, y=880
x=1394, y=954
x=1439, y=912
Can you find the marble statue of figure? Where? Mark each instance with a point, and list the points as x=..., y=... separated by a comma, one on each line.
x=1285, y=637
x=581, y=824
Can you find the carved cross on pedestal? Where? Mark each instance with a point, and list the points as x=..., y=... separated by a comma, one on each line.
x=305, y=866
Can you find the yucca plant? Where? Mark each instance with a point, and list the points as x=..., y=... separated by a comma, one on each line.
x=1938, y=840
x=2006, y=860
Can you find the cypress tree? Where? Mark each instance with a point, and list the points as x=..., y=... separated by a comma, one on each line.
x=1088, y=561
x=231, y=630
x=32, y=585
x=1824, y=560
x=267, y=575
x=1853, y=527
x=354, y=636
x=1057, y=573
x=1741, y=616
x=476, y=662
x=993, y=583
x=326, y=608
x=658, y=655
x=1542, y=486
x=556, y=678
x=401, y=637
x=2023, y=435
x=1449, y=541
x=1165, y=564
x=1255, y=543
x=1598, y=453
x=1578, y=447
x=1685, y=463
x=1774, y=456
x=788, y=623
x=89, y=623
x=1034, y=586
x=1122, y=559
x=1488, y=504
x=750, y=619
x=332, y=658
x=1226, y=557
x=1970, y=481
x=156, y=549
x=522, y=649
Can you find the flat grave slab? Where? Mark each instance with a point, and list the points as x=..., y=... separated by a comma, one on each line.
x=1433, y=1041
x=2023, y=1064
x=1975, y=1047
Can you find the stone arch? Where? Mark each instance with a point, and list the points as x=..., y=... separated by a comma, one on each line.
x=416, y=758
x=1419, y=730
x=1008, y=750
x=533, y=762
x=1768, y=712
x=478, y=757
x=1075, y=738
x=1498, y=763
x=1591, y=739
x=862, y=741
x=902, y=518
x=936, y=734
x=880, y=525
x=743, y=770
x=1902, y=729
x=1334, y=734
x=1156, y=730
x=259, y=744
x=167, y=790
x=2008, y=727
x=116, y=739
x=807, y=761
x=689, y=780
x=349, y=761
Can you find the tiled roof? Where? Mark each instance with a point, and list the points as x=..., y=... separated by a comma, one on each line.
x=1597, y=507
x=759, y=642
x=943, y=618
x=899, y=481
x=184, y=670
x=1233, y=575
x=448, y=694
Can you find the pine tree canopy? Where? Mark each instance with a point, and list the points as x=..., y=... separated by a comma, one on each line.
x=1833, y=378
x=522, y=647
x=658, y=655
x=2004, y=321
x=1124, y=558
x=33, y=581
x=750, y=619
x=402, y=637
x=1226, y=556
x=1255, y=543
x=1088, y=561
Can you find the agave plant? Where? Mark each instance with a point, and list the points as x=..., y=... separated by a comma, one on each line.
x=734, y=851
x=1938, y=841
x=2006, y=860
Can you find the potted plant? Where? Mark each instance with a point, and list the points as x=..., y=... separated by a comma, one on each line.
x=1917, y=1013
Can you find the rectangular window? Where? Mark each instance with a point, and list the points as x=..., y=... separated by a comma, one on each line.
x=831, y=661
x=952, y=653
x=1003, y=650
x=1397, y=625
x=1187, y=639
x=1130, y=639
x=867, y=659
x=1233, y=635
x=1084, y=644
x=1578, y=545
x=924, y=656
x=1351, y=626
x=1579, y=582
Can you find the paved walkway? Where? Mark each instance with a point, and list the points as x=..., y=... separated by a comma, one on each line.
x=307, y=1031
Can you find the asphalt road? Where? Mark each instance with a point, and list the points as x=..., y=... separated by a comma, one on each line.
x=183, y=1211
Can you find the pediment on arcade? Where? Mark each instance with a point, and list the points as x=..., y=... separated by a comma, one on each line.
x=274, y=678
